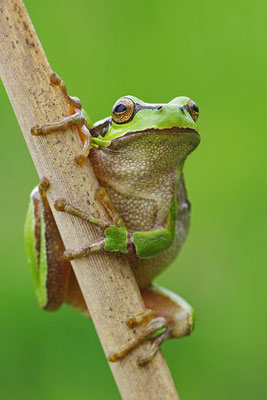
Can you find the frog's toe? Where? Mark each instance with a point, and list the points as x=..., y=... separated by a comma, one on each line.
x=44, y=184
x=81, y=158
x=155, y=328
x=55, y=79
x=36, y=130
x=134, y=320
x=147, y=357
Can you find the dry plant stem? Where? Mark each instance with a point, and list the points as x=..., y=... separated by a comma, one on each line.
x=107, y=282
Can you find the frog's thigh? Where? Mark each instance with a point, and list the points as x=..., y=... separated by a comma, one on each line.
x=53, y=277
x=45, y=253
x=178, y=313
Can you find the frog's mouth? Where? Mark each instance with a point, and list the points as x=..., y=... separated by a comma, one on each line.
x=190, y=135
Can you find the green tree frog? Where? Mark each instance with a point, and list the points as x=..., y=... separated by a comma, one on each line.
x=137, y=154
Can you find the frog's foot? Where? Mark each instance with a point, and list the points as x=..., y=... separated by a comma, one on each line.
x=78, y=119
x=155, y=328
x=71, y=101
x=99, y=245
x=167, y=316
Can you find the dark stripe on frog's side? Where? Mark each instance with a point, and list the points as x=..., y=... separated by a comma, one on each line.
x=49, y=268
x=139, y=107
x=101, y=129
x=34, y=245
x=37, y=226
x=58, y=268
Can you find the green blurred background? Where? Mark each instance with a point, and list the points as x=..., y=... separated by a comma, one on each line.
x=215, y=53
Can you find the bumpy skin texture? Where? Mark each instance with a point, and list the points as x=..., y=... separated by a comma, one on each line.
x=153, y=208
x=139, y=162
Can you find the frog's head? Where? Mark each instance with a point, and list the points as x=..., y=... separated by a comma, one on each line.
x=166, y=132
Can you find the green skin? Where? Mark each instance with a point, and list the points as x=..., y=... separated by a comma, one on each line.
x=139, y=162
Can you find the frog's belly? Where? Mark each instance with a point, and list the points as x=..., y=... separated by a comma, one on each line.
x=145, y=270
x=138, y=214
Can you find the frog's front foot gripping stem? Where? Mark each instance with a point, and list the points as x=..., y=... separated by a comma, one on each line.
x=154, y=328
x=77, y=119
x=100, y=244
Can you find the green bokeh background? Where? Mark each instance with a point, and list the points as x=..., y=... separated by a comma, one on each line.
x=215, y=53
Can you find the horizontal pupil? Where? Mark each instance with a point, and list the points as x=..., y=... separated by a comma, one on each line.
x=120, y=108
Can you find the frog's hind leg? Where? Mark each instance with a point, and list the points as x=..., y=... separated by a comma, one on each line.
x=178, y=313
x=44, y=249
x=167, y=315
x=53, y=277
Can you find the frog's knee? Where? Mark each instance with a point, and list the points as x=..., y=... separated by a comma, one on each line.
x=178, y=313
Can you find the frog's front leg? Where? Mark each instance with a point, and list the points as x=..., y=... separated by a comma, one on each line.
x=116, y=237
x=167, y=315
x=78, y=118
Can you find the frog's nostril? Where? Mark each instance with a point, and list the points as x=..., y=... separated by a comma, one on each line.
x=159, y=108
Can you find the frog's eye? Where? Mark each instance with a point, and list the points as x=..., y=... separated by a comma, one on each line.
x=193, y=109
x=123, y=111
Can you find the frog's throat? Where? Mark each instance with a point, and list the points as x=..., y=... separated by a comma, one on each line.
x=175, y=131
x=102, y=141
x=167, y=131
